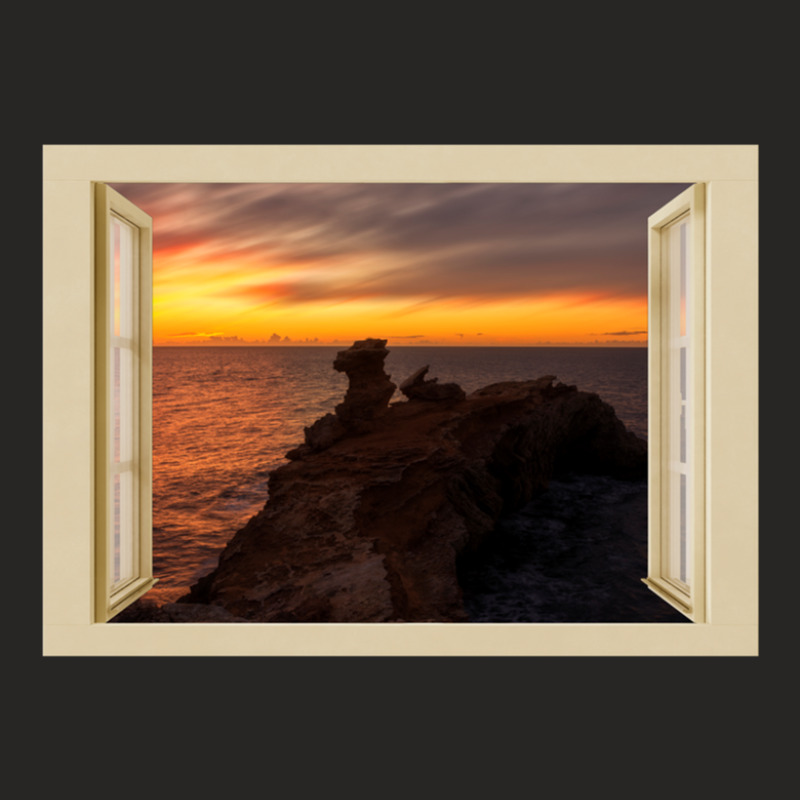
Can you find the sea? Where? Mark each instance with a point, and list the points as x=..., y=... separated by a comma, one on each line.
x=224, y=418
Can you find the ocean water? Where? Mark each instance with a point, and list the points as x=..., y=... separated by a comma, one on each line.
x=224, y=417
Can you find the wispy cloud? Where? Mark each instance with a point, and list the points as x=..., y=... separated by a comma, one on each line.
x=411, y=240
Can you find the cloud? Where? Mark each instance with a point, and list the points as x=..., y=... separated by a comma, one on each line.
x=623, y=333
x=224, y=339
x=414, y=240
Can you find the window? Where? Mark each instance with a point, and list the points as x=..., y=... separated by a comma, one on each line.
x=728, y=345
x=676, y=563
x=123, y=314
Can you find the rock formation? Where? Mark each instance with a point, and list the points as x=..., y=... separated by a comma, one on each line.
x=369, y=389
x=415, y=387
x=368, y=394
x=367, y=520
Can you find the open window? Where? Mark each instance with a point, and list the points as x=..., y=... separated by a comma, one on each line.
x=676, y=519
x=123, y=403
x=676, y=402
x=726, y=604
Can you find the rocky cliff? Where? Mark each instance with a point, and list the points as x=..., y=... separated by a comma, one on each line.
x=367, y=521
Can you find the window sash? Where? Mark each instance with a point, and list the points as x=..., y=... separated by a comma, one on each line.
x=123, y=405
x=676, y=519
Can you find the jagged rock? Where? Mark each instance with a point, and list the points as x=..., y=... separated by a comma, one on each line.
x=415, y=387
x=370, y=389
x=324, y=432
x=369, y=529
x=368, y=393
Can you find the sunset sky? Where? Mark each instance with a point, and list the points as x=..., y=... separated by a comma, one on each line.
x=451, y=263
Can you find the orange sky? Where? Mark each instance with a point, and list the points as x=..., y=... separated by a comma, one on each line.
x=476, y=264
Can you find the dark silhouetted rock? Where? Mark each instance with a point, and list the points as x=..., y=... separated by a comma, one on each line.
x=415, y=387
x=324, y=432
x=370, y=389
x=368, y=393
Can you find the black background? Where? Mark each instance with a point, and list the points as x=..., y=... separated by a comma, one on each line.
x=373, y=726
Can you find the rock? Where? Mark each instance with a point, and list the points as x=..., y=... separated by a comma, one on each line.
x=415, y=387
x=369, y=528
x=370, y=389
x=368, y=394
x=324, y=432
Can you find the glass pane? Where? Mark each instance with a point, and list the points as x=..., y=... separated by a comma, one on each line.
x=115, y=245
x=683, y=373
x=678, y=545
x=683, y=435
x=122, y=527
x=123, y=403
x=684, y=231
x=683, y=537
x=122, y=272
x=122, y=389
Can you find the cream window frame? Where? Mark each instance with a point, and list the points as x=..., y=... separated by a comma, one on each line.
x=730, y=176
x=663, y=293
x=112, y=597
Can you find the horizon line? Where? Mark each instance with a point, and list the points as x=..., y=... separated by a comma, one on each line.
x=641, y=345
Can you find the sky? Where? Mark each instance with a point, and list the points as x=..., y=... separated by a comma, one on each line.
x=519, y=264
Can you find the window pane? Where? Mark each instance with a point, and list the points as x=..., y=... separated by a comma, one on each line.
x=683, y=256
x=122, y=272
x=683, y=373
x=683, y=525
x=683, y=435
x=678, y=546
x=122, y=527
x=122, y=403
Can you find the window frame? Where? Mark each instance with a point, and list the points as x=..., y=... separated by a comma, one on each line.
x=110, y=598
x=688, y=598
x=730, y=175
